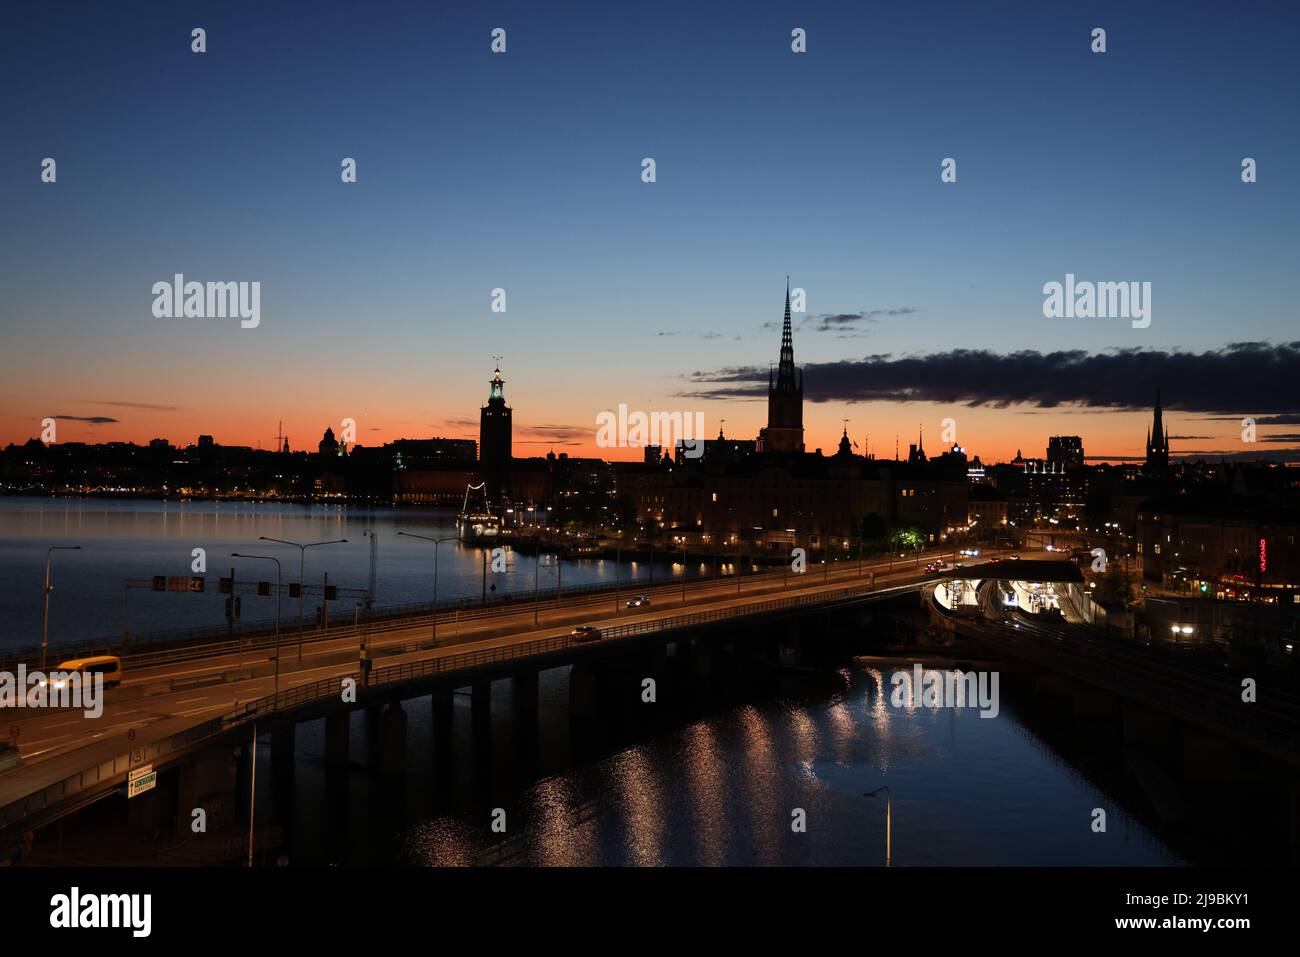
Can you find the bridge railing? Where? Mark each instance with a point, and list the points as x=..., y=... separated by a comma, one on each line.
x=136, y=755
x=189, y=644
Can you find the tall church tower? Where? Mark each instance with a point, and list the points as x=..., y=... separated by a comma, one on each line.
x=494, y=440
x=1157, y=441
x=784, y=432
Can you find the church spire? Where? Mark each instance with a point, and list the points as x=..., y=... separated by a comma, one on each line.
x=785, y=378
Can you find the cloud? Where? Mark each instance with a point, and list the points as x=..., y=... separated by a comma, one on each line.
x=847, y=325
x=136, y=405
x=547, y=434
x=90, y=419
x=1239, y=378
x=690, y=332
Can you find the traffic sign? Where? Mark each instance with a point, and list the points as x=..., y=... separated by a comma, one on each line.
x=141, y=780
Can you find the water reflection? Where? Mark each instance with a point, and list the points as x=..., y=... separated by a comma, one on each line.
x=722, y=791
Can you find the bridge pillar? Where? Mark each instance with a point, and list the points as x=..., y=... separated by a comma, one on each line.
x=583, y=691
x=480, y=707
x=142, y=815
x=338, y=729
x=283, y=739
x=443, y=715
x=374, y=736
x=523, y=701
x=393, y=760
x=702, y=667
x=208, y=782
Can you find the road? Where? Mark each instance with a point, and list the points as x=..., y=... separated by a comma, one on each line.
x=161, y=700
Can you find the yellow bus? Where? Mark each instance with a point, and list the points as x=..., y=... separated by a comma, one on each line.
x=110, y=666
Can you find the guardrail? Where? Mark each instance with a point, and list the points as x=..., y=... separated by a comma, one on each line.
x=383, y=621
x=260, y=635
x=105, y=773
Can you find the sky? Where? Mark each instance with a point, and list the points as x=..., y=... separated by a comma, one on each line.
x=522, y=171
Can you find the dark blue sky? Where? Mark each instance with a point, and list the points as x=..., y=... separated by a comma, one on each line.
x=523, y=171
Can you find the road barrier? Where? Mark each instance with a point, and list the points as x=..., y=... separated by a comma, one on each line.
x=103, y=776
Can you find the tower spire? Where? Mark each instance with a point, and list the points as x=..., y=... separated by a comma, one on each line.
x=785, y=378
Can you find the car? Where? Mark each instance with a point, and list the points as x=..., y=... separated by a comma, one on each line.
x=1014, y=558
x=110, y=666
x=640, y=601
x=585, y=633
x=8, y=755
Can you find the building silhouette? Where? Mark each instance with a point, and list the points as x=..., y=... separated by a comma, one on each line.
x=1065, y=452
x=784, y=432
x=1157, y=460
x=494, y=441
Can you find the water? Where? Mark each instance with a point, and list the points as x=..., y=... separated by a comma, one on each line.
x=721, y=790
x=137, y=540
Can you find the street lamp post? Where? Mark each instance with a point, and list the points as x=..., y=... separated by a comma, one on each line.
x=889, y=807
x=436, y=543
x=45, y=627
x=683, y=569
x=302, y=584
x=279, y=579
x=537, y=587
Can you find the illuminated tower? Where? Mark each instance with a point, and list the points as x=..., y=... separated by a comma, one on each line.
x=494, y=442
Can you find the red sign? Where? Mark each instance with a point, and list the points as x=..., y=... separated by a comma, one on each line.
x=1263, y=556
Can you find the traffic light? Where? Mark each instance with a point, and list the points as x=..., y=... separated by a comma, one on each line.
x=295, y=589
x=226, y=586
x=263, y=589
x=331, y=592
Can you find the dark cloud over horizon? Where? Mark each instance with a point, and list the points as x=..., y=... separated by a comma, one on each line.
x=90, y=419
x=1241, y=378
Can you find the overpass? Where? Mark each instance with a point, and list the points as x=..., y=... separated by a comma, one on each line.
x=180, y=701
x=1135, y=680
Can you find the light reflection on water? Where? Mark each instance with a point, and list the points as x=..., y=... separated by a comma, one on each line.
x=721, y=791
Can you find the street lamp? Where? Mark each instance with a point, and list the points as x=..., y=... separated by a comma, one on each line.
x=537, y=579
x=302, y=584
x=889, y=807
x=278, y=581
x=436, y=543
x=45, y=628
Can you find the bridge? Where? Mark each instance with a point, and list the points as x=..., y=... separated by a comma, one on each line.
x=177, y=702
x=1111, y=674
